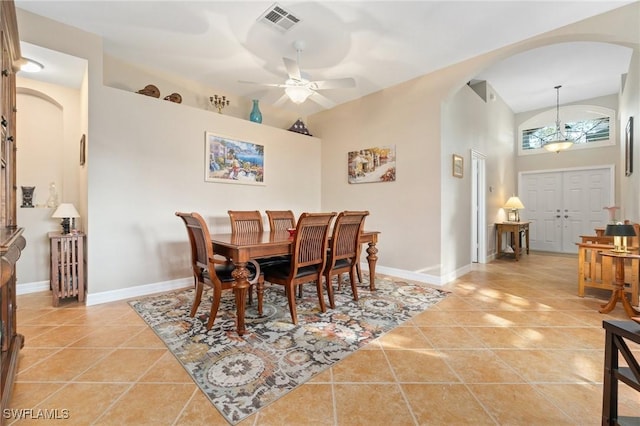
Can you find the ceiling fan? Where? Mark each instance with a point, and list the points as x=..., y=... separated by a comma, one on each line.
x=298, y=87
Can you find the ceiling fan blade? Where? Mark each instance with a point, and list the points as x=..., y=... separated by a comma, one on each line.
x=281, y=101
x=322, y=100
x=292, y=69
x=336, y=83
x=263, y=84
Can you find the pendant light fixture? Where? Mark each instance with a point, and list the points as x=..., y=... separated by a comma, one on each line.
x=558, y=142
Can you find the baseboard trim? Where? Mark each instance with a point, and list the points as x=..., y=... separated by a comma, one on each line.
x=33, y=287
x=159, y=287
x=137, y=291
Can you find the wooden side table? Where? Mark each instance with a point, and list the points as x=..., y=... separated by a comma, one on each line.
x=618, y=284
x=67, y=276
x=515, y=229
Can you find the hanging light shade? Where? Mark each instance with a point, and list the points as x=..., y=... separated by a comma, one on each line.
x=559, y=142
x=297, y=94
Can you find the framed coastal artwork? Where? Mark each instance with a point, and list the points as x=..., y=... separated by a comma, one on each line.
x=229, y=160
x=377, y=164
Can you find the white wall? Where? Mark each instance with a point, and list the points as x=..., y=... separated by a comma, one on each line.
x=470, y=122
x=49, y=138
x=630, y=107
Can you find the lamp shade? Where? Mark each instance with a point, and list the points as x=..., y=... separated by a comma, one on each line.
x=514, y=203
x=620, y=230
x=65, y=210
x=297, y=94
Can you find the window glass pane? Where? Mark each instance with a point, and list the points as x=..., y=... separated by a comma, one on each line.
x=581, y=132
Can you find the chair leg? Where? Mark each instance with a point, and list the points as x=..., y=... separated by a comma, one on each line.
x=291, y=299
x=359, y=272
x=260, y=288
x=323, y=307
x=354, y=287
x=327, y=280
x=215, y=304
x=197, y=298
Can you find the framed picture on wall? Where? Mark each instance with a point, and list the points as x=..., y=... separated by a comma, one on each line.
x=229, y=160
x=628, y=148
x=83, y=150
x=458, y=166
x=375, y=164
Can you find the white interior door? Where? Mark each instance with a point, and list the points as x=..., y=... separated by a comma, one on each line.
x=542, y=199
x=478, y=206
x=563, y=205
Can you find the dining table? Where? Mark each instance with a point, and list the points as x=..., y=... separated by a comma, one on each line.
x=240, y=248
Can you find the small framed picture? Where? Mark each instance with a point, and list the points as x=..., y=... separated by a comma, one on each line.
x=83, y=150
x=458, y=166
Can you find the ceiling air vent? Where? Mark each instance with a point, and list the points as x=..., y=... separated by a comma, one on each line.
x=279, y=18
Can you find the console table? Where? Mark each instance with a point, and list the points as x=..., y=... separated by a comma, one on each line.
x=616, y=333
x=515, y=229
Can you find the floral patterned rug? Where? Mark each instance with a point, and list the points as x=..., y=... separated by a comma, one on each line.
x=240, y=375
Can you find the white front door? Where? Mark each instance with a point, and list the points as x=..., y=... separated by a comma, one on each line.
x=542, y=199
x=563, y=205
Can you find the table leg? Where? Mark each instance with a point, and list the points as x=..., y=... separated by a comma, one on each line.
x=526, y=237
x=372, y=258
x=516, y=243
x=618, y=292
x=499, y=232
x=241, y=275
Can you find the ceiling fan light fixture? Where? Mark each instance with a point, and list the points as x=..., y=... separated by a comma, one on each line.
x=558, y=142
x=298, y=94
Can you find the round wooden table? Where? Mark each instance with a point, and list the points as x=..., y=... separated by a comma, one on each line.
x=618, y=285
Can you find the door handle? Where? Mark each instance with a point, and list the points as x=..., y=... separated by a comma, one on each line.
x=558, y=216
x=566, y=216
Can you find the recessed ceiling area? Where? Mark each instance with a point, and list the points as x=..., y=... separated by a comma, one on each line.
x=584, y=69
x=379, y=43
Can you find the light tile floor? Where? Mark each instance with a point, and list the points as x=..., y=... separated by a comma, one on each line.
x=512, y=345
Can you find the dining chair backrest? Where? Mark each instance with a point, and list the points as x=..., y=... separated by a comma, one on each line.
x=243, y=221
x=346, y=234
x=311, y=241
x=281, y=220
x=201, y=247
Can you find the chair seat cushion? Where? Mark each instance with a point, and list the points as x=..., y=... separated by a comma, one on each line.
x=268, y=262
x=283, y=270
x=341, y=263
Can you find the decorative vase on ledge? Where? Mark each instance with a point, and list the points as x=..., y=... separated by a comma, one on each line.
x=255, y=115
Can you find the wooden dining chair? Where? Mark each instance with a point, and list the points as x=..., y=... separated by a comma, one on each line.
x=210, y=271
x=245, y=221
x=344, y=251
x=307, y=261
x=281, y=220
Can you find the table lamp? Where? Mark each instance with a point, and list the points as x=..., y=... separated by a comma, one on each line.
x=620, y=232
x=66, y=211
x=513, y=204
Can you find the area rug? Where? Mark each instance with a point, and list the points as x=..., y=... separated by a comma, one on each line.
x=240, y=375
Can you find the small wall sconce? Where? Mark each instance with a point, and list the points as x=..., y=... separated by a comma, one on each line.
x=66, y=211
x=513, y=204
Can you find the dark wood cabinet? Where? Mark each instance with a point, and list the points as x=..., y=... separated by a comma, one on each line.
x=11, y=240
